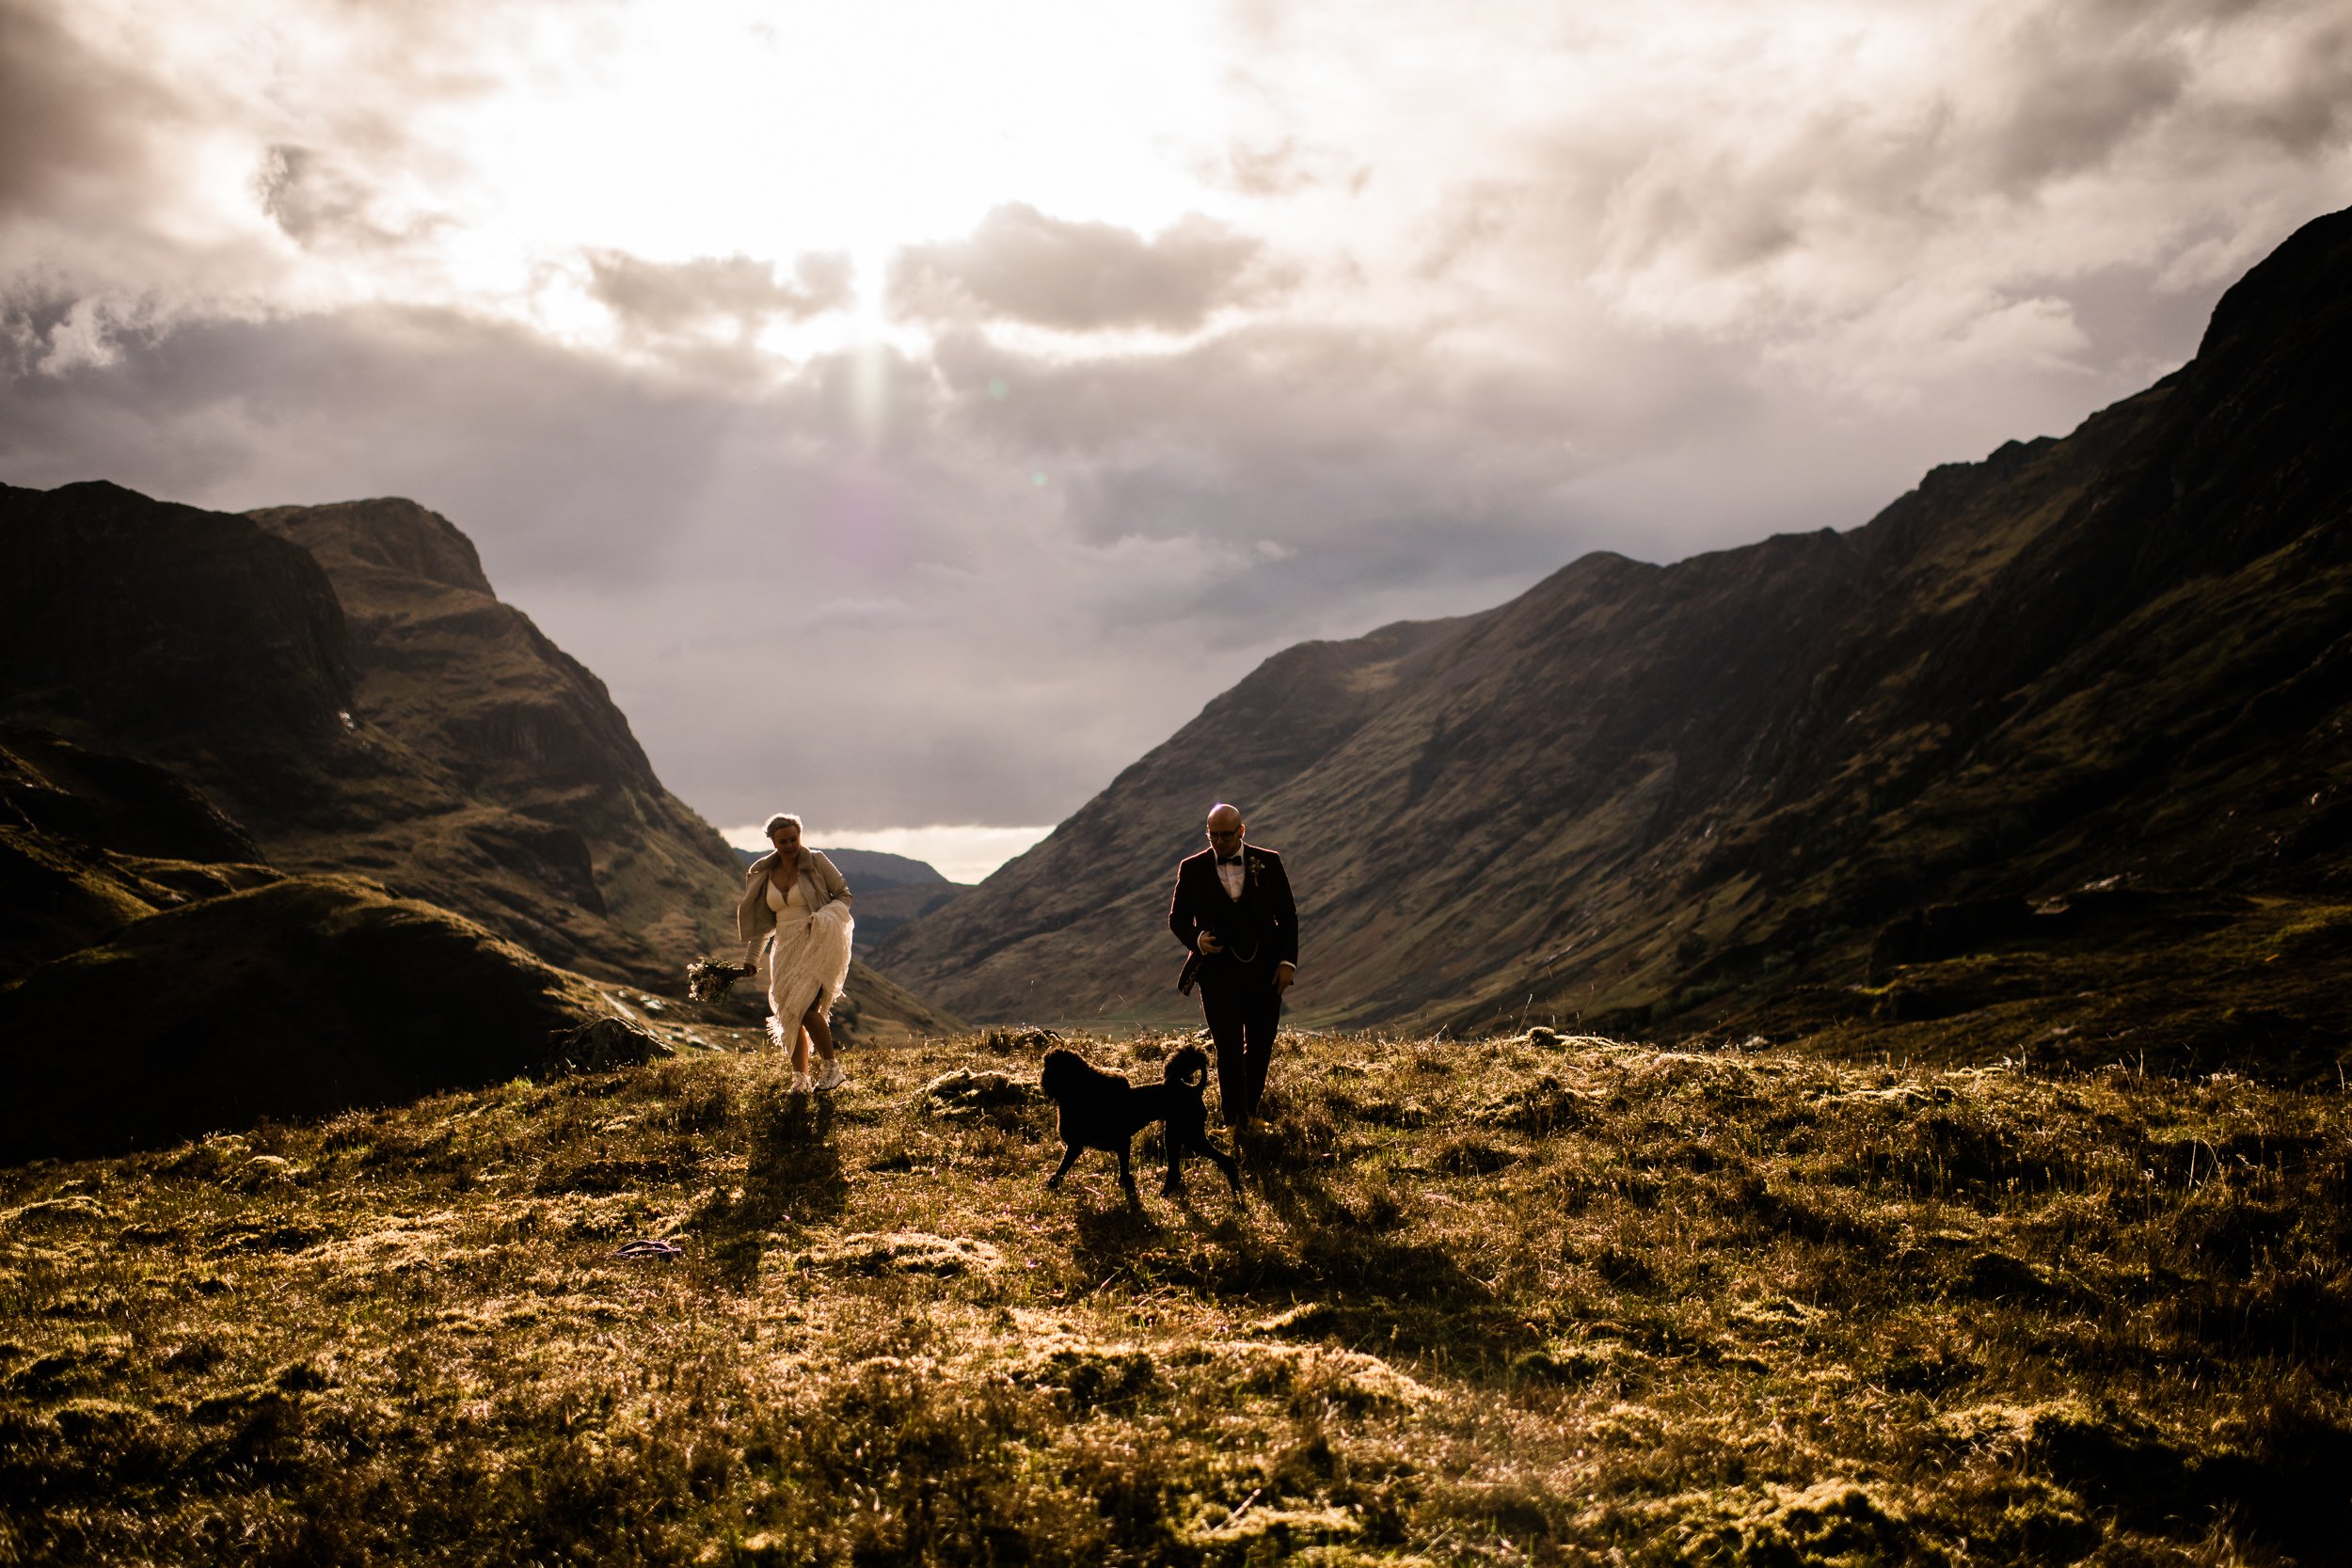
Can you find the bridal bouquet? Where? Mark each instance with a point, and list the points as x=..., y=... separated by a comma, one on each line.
x=708, y=978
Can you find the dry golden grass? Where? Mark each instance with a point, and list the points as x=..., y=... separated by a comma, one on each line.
x=1521, y=1301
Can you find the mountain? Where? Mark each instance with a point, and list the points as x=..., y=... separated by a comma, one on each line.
x=158, y=982
x=1094, y=891
x=341, y=688
x=469, y=686
x=216, y=647
x=878, y=869
x=1682, y=796
x=892, y=892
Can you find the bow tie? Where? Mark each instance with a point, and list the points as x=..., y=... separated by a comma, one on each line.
x=1229, y=860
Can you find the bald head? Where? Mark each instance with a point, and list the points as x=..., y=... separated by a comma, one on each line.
x=1225, y=829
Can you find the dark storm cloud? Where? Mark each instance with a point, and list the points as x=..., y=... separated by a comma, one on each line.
x=2077, y=87
x=1083, y=276
x=661, y=297
x=1381, y=447
x=2078, y=83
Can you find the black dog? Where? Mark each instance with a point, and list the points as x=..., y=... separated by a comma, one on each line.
x=1102, y=1110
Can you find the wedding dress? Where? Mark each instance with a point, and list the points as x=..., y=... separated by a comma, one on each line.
x=807, y=959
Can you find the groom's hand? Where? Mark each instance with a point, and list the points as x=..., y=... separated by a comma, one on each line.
x=1283, y=975
x=1207, y=943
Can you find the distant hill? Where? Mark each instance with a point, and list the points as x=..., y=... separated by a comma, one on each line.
x=1682, y=796
x=876, y=868
x=890, y=891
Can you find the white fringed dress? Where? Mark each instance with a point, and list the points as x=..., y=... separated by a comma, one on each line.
x=807, y=958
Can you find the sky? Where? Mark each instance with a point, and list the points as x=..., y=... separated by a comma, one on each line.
x=916, y=411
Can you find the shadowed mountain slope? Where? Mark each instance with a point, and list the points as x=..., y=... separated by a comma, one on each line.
x=89, y=842
x=211, y=645
x=1662, y=794
x=471, y=686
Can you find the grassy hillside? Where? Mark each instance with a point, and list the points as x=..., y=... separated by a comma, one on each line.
x=1531, y=1300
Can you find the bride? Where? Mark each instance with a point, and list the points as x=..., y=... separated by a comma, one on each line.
x=797, y=905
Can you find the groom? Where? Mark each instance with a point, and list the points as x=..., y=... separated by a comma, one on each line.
x=1232, y=909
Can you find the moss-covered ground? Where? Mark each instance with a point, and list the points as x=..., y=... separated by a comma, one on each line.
x=1531, y=1300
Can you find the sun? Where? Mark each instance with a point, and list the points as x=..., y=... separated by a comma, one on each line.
x=727, y=128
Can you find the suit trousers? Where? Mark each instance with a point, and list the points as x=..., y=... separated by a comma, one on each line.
x=1241, y=1010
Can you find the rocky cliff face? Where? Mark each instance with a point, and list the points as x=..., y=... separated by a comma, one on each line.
x=1663, y=794
x=473, y=687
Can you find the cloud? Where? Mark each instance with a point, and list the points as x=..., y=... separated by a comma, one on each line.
x=1959, y=155
x=971, y=646
x=668, y=297
x=1023, y=265
x=321, y=204
x=1439, y=319
x=1284, y=166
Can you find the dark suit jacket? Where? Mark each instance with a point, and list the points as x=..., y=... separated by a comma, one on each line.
x=1260, y=929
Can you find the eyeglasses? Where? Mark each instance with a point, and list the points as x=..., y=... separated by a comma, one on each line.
x=1230, y=832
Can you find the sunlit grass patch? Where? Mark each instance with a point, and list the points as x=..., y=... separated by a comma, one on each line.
x=1535, y=1299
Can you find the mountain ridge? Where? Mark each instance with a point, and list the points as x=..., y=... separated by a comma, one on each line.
x=1625, y=794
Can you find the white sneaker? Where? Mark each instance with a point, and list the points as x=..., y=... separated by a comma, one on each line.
x=832, y=1077
x=801, y=1083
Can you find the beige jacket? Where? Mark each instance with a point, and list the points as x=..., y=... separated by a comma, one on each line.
x=820, y=885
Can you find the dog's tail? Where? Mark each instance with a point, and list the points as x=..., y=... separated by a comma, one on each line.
x=1187, y=1065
